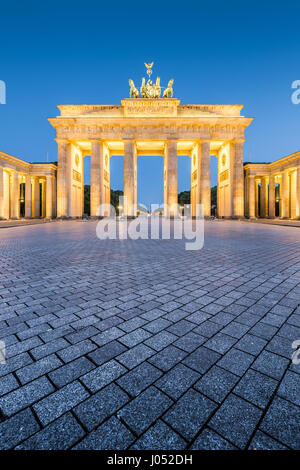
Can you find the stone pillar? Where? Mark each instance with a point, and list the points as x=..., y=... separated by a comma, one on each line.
x=236, y=156
x=170, y=170
x=63, y=184
x=285, y=195
x=28, y=197
x=15, y=193
x=1, y=193
x=298, y=193
x=130, y=178
x=204, y=177
x=263, y=197
x=271, y=197
x=251, y=193
x=36, y=197
x=43, y=198
x=49, y=197
x=97, y=178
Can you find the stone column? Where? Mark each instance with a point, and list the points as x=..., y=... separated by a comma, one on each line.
x=15, y=193
x=298, y=193
x=97, y=178
x=256, y=198
x=28, y=197
x=204, y=177
x=236, y=155
x=63, y=185
x=49, y=197
x=285, y=195
x=1, y=193
x=271, y=197
x=251, y=201
x=36, y=197
x=170, y=170
x=263, y=197
x=130, y=178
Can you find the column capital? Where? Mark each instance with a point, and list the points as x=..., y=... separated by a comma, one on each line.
x=238, y=141
x=62, y=141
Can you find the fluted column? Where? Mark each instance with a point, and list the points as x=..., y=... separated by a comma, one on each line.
x=263, y=197
x=272, y=197
x=285, y=195
x=130, y=178
x=1, y=193
x=204, y=173
x=237, y=168
x=28, y=197
x=15, y=202
x=36, y=197
x=170, y=164
x=97, y=178
x=251, y=195
x=63, y=183
x=298, y=192
x=49, y=196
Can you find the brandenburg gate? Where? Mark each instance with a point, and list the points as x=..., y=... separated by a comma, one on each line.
x=146, y=124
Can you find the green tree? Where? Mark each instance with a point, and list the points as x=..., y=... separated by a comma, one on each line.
x=114, y=199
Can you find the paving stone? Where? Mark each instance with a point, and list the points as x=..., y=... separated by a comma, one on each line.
x=282, y=421
x=236, y=361
x=102, y=375
x=207, y=329
x=256, y=388
x=60, y=402
x=216, y=383
x=7, y=384
x=159, y=436
x=209, y=440
x=76, y=350
x=157, y=325
x=135, y=356
x=140, y=413
x=38, y=368
x=182, y=327
x=93, y=411
x=201, y=359
x=49, y=348
x=25, y=396
x=261, y=441
x=107, y=336
x=290, y=387
x=190, y=341
x=271, y=364
x=189, y=413
x=160, y=340
x=112, y=435
x=236, y=420
x=251, y=344
x=220, y=343
x=167, y=358
x=177, y=381
x=235, y=329
x=135, y=381
x=17, y=428
x=135, y=337
x=59, y=435
x=107, y=352
x=71, y=371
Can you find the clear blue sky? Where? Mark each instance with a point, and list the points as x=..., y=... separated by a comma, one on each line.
x=224, y=52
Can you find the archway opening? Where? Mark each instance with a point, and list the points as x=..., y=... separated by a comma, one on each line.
x=116, y=180
x=87, y=186
x=184, y=179
x=214, y=185
x=150, y=181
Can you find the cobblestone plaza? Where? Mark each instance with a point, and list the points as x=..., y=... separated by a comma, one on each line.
x=144, y=345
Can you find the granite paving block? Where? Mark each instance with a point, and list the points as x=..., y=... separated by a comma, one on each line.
x=16, y=429
x=190, y=341
x=261, y=441
x=290, y=387
x=209, y=440
x=201, y=359
x=256, y=388
x=251, y=344
x=271, y=364
x=135, y=381
x=216, y=383
x=236, y=420
x=236, y=361
x=93, y=411
x=282, y=422
x=60, y=402
x=161, y=340
x=103, y=375
x=144, y=410
x=177, y=381
x=59, y=435
x=167, y=358
x=111, y=435
x=25, y=396
x=71, y=371
x=189, y=413
x=135, y=355
x=38, y=368
x=7, y=384
x=220, y=343
x=159, y=436
x=107, y=352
